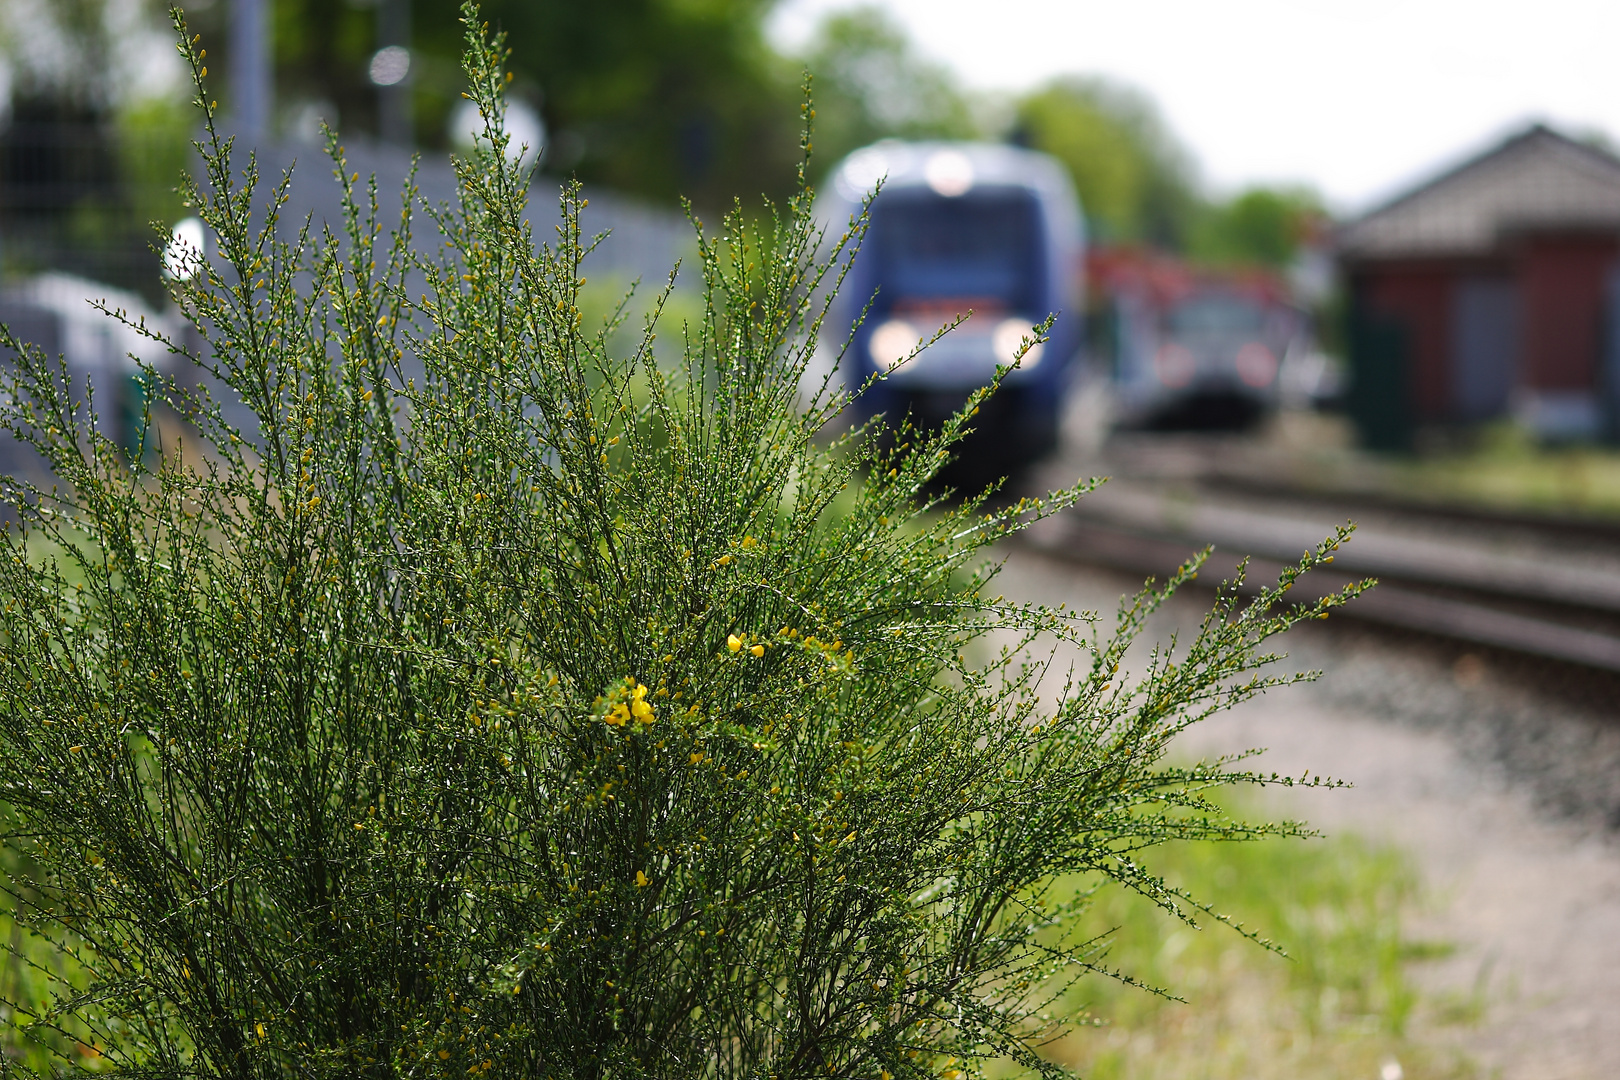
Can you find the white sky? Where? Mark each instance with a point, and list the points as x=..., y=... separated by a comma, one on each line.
x=1356, y=99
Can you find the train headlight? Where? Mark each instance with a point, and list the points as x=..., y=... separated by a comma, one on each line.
x=891, y=341
x=1256, y=365
x=949, y=173
x=861, y=172
x=1009, y=337
x=1175, y=365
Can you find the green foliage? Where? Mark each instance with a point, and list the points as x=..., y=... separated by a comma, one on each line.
x=661, y=98
x=871, y=84
x=320, y=56
x=551, y=712
x=1505, y=466
x=1134, y=181
x=655, y=98
x=60, y=50
x=1137, y=184
x=1339, y=1005
x=32, y=972
x=154, y=150
x=1259, y=226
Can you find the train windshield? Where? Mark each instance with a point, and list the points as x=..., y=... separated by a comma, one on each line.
x=982, y=249
x=1216, y=316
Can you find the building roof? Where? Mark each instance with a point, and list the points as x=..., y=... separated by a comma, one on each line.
x=1536, y=180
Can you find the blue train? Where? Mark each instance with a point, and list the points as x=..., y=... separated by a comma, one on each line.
x=959, y=227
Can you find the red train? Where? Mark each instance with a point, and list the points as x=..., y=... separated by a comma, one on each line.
x=1193, y=348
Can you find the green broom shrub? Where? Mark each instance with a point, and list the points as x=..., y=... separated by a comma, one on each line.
x=552, y=712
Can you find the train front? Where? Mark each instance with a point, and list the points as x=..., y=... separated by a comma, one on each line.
x=986, y=231
x=1195, y=348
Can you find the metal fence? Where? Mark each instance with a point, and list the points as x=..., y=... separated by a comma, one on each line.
x=67, y=202
x=72, y=234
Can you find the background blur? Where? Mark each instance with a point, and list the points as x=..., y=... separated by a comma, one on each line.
x=651, y=98
x=1247, y=146
x=1421, y=194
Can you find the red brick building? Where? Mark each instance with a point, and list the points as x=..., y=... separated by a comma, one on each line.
x=1490, y=291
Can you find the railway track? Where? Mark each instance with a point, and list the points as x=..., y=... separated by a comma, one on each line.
x=1539, y=587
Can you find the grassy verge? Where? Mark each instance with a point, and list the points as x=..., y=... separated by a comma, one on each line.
x=34, y=973
x=1500, y=466
x=1506, y=468
x=1341, y=1004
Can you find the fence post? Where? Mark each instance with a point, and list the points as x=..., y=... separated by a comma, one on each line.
x=251, y=88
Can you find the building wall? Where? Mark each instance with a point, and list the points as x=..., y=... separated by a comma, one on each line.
x=1563, y=279
x=1416, y=296
x=1525, y=329
x=1487, y=341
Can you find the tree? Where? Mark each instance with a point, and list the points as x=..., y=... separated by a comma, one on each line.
x=89, y=152
x=1259, y=226
x=1135, y=182
x=658, y=98
x=871, y=84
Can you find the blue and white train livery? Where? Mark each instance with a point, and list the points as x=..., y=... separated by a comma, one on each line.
x=956, y=228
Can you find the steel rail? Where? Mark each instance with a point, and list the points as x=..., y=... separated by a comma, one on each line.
x=1284, y=536
x=1140, y=532
x=1585, y=526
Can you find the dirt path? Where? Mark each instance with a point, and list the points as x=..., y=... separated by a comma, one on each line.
x=1504, y=802
x=1532, y=905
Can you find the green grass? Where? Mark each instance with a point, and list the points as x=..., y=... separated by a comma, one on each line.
x=1507, y=468
x=33, y=974
x=1342, y=1003
x=1500, y=466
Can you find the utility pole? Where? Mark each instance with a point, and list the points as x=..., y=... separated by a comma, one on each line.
x=391, y=73
x=250, y=68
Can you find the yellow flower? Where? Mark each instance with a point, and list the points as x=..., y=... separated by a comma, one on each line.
x=758, y=650
x=733, y=642
x=641, y=880
x=632, y=707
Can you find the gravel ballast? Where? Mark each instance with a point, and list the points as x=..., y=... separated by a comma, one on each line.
x=1499, y=776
